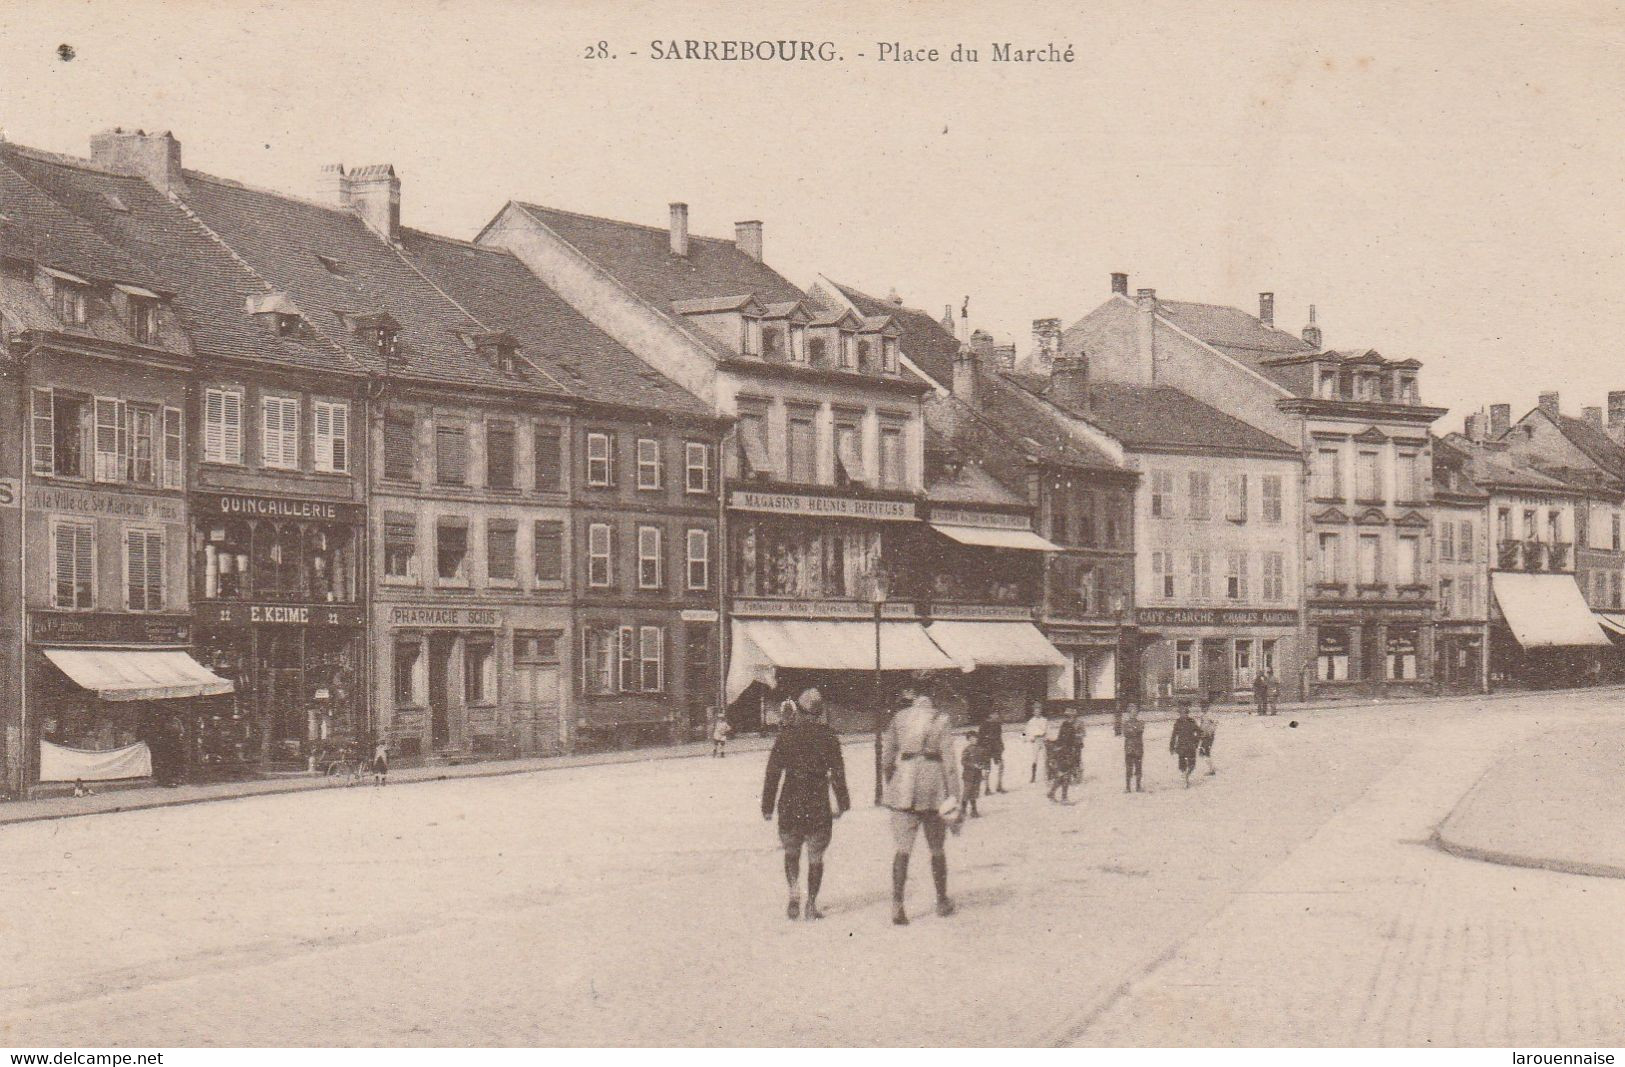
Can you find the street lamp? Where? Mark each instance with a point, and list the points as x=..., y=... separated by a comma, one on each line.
x=878, y=582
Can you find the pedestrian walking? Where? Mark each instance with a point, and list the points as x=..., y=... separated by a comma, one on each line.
x=804, y=766
x=1261, y=694
x=1036, y=733
x=1062, y=758
x=973, y=769
x=380, y=764
x=1133, y=749
x=1185, y=740
x=721, y=730
x=990, y=737
x=1274, y=686
x=1210, y=729
x=917, y=760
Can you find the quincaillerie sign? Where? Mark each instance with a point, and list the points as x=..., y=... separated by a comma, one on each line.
x=242, y=505
x=821, y=506
x=1214, y=617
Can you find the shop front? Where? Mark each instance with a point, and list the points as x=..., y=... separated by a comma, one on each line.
x=276, y=612
x=1542, y=633
x=118, y=696
x=1368, y=650
x=1006, y=662
x=471, y=681
x=1460, y=664
x=1217, y=654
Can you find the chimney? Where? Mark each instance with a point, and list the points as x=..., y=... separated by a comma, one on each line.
x=1616, y=408
x=748, y=238
x=1473, y=428
x=947, y=319
x=1311, y=332
x=1549, y=405
x=374, y=193
x=1266, y=309
x=893, y=298
x=1593, y=416
x=1145, y=300
x=962, y=324
x=1120, y=283
x=964, y=385
x=332, y=188
x=1046, y=344
x=1500, y=420
x=1004, y=358
x=1069, y=381
x=155, y=156
x=679, y=229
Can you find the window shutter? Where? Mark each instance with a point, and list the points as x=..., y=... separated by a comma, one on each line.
x=106, y=439
x=44, y=432
x=548, y=459
x=323, y=414
x=62, y=565
x=155, y=571
x=135, y=569
x=214, y=425
x=174, y=450
x=340, y=414
x=400, y=446
x=628, y=660
x=83, y=547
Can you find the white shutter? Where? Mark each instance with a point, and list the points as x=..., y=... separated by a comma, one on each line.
x=174, y=463
x=107, y=439
x=340, y=448
x=44, y=433
x=323, y=414
x=155, y=571
x=628, y=660
x=231, y=438
x=214, y=426
x=135, y=570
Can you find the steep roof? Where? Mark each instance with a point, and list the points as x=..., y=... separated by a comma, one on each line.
x=1594, y=442
x=921, y=337
x=210, y=283
x=35, y=227
x=1160, y=416
x=500, y=290
x=640, y=258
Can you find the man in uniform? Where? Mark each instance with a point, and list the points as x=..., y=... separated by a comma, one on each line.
x=917, y=757
x=807, y=759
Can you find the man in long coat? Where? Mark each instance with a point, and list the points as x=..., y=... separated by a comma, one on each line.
x=917, y=758
x=804, y=766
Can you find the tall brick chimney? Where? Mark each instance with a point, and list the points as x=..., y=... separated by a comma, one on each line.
x=1500, y=420
x=1120, y=283
x=965, y=362
x=153, y=156
x=679, y=229
x=1549, y=404
x=748, y=238
x=1311, y=332
x=375, y=195
x=1046, y=344
x=1593, y=416
x=947, y=319
x=1069, y=381
x=1266, y=308
x=1473, y=427
x=1145, y=302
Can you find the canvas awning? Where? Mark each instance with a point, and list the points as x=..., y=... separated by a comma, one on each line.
x=1612, y=622
x=995, y=538
x=762, y=646
x=128, y=674
x=995, y=644
x=1546, y=610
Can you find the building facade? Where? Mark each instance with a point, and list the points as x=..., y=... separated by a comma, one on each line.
x=1461, y=542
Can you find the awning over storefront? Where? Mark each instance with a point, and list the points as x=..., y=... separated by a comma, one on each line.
x=995, y=644
x=1546, y=610
x=995, y=538
x=761, y=646
x=129, y=674
x=1613, y=623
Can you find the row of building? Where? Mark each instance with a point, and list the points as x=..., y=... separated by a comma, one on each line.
x=281, y=476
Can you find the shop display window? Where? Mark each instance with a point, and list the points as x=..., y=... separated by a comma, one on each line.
x=278, y=561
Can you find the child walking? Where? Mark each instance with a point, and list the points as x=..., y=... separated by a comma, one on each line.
x=380, y=764
x=720, y=730
x=973, y=766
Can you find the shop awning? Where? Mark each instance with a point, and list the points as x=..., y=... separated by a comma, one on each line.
x=1612, y=622
x=1546, y=610
x=995, y=644
x=127, y=674
x=761, y=646
x=995, y=538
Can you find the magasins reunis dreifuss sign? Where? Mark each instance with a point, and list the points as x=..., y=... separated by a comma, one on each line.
x=843, y=507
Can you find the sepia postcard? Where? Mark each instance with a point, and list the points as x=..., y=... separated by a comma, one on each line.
x=728, y=525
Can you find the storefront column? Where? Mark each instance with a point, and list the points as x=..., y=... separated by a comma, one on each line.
x=1357, y=664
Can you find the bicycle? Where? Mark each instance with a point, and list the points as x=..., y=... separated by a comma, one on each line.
x=342, y=766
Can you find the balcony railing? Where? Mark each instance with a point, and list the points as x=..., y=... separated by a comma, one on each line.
x=1557, y=556
x=1507, y=555
x=1532, y=555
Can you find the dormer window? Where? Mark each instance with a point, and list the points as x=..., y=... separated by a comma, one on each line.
x=752, y=336
x=144, y=320
x=815, y=351
x=1327, y=388
x=798, y=343
x=278, y=312
x=1407, y=389
x=772, y=342
x=848, y=350
x=499, y=348
x=866, y=355
x=888, y=355
x=386, y=339
x=71, y=304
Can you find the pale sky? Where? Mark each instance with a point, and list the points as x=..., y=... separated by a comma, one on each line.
x=1445, y=181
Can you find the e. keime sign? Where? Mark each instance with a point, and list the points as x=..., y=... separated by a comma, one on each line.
x=239, y=613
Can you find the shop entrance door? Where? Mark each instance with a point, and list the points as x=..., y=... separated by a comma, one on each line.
x=1216, y=680
x=440, y=649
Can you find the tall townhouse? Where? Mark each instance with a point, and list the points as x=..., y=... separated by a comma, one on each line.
x=1461, y=543
x=1358, y=421
x=1080, y=496
x=99, y=680
x=1217, y=534
x=639, y=551
x=823, y=471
